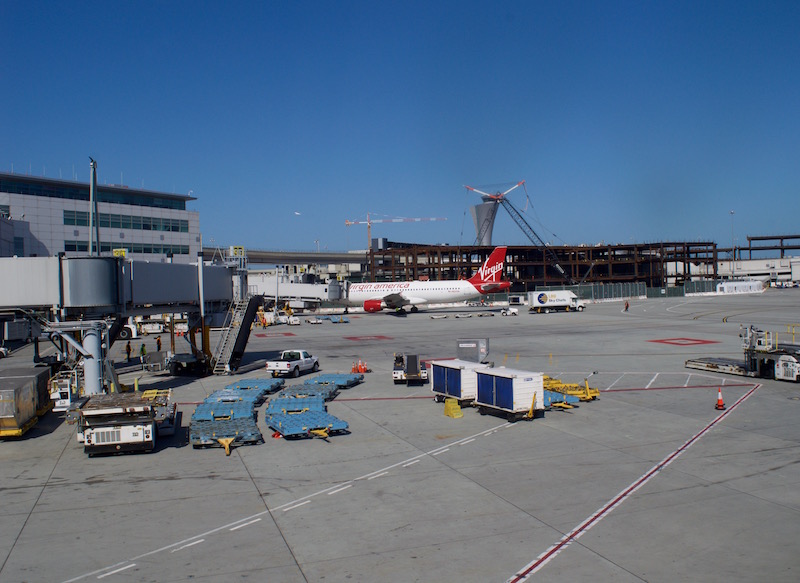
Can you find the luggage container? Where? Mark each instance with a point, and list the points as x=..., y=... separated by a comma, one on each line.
x=513, y=392
x=17, y=406
x=455, y=378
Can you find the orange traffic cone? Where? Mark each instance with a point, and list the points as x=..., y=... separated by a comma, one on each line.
x=360, y=366
x=277, y=435
x=720, y=403
x=354, y=367
x=365, y=366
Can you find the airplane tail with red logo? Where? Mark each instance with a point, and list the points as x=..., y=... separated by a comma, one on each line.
x=489, y=278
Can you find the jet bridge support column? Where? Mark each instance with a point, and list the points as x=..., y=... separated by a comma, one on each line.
x=93, y=365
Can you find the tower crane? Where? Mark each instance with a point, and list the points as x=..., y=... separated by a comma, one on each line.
x=500, y=198
x=369, y=222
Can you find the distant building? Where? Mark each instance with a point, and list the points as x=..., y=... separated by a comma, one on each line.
x=44, y=216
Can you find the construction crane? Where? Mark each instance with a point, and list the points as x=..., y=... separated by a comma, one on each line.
x=500, y=198
x=369, y=222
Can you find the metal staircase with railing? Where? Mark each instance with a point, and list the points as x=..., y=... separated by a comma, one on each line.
x=234, y=334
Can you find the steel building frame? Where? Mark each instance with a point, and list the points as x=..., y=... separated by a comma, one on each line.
x=656, y=264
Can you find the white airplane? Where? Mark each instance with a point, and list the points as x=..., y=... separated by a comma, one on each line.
x=394, y=295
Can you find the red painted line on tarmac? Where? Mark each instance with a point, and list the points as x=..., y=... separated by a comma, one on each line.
x=388, y=398
x=672, y=388
x=376, y=337
x=573, y=535
x=685, y=341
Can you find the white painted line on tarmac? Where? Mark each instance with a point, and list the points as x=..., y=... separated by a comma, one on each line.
x=285, y=507
x=411, y=463
x=466, y=442
x=197, y=542
x=340, y=489
x=378, y=475
x=297, y=505
x=528, y=570
x=116, y=571
x=652, y=381
x=441, y=451
x=245, y=524
x=615, y=382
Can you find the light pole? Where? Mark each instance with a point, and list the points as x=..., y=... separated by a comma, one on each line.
x=733, y=248
x=317, y=242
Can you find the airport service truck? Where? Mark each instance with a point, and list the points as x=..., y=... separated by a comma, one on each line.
x=125, y=421
x=552, y=301
x=292, y=363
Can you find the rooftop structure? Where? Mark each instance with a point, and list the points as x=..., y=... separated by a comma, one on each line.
x=46, y=216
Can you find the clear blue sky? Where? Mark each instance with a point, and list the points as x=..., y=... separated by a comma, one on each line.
x=628, y=120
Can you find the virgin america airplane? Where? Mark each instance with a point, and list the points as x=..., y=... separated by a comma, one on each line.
x=395, y=295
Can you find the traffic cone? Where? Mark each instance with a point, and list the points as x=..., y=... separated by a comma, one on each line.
x=359, y=366
x=277, y=435
x=720, y=403
x=354, y=367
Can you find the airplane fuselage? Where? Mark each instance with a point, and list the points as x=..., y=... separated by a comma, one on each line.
x=413, y=292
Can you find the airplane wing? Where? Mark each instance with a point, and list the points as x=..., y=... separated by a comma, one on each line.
x=395, y=301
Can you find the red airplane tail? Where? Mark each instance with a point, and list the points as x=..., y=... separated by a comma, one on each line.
x=489, y=278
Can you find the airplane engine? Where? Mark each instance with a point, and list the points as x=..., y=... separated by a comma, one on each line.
x=372, y=306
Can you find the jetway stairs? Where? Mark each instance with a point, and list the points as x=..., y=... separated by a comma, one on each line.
x=235, y=334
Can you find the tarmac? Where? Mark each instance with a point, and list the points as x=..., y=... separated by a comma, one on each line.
x=650, y=482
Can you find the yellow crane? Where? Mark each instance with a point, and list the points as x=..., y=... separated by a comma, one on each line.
x=369, y=222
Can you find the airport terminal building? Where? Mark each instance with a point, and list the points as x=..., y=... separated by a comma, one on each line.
x=43, y=217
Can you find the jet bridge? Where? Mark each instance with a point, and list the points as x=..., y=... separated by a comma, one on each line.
x=79, y=289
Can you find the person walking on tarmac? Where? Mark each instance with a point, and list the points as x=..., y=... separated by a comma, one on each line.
x=158, y=343
x=142, y=352
x=627, y=305
x=128, y=350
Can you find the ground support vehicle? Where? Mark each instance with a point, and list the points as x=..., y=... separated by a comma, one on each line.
x=455, y=378
x=764, y=357
x=123, y=422
x=509, y=312
x=554, y=301
x=292, y=363
x=582, y=392
x=515, y=393
x=187, y=363
x=407, y=369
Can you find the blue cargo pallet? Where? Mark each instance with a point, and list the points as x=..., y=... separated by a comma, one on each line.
x=341, y=380
x=291, y=404
x=212, y=411
x=207, y=433
x=327, y=392
x=551, y=398
x=255, y=396
x=340, y=319
x=303, y=424
x=271, y=385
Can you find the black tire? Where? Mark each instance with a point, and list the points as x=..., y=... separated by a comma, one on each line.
x=124, y=334
x=512, y=417
x=315, y=368
x=482, y=410
x=295, y=372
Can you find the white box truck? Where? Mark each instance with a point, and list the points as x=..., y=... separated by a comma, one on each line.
x=553, y=301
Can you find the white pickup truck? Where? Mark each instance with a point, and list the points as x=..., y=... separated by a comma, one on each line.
x=292, y=363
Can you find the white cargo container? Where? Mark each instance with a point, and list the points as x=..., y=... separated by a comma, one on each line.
x=510, y=391
x=552, y=301
x=455, y=378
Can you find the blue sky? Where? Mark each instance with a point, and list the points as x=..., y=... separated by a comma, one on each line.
x=630, y=121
